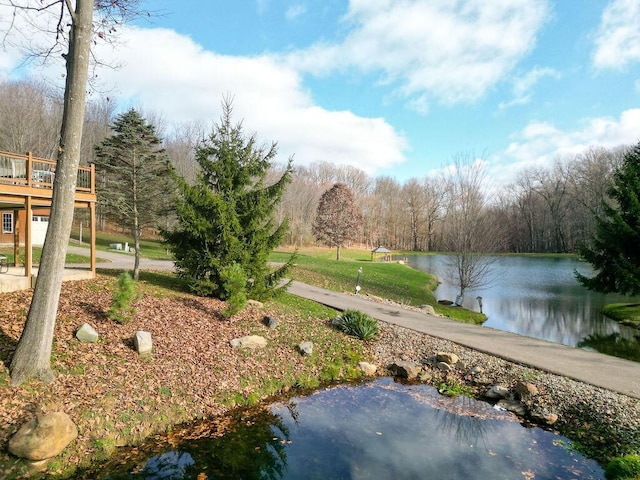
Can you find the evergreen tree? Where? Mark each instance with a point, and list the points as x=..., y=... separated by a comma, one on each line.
x=615, y=247
x=338, y=219
x=136, y=180
x=227, y=215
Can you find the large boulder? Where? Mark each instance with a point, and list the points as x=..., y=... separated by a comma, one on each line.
x=403, y=369
x=250, y=341
x=43, y=437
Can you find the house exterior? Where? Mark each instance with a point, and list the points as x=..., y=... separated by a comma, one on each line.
x=26, y=189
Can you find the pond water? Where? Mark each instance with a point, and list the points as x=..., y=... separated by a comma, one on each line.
x=540, y=297
x=378, y=430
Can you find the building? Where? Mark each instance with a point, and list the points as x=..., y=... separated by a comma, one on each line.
x=26, y=189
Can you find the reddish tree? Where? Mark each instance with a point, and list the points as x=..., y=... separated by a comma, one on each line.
x=338, y=219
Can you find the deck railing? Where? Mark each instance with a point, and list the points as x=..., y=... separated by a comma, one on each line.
x=30, y=171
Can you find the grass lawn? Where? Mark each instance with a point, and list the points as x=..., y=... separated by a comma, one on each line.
x=149, y=248
x=400, y=283
x=625, y=313
x=37, y=252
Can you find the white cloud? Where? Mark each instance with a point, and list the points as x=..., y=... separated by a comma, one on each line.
x=540, y=142
x=452, y=51
x=618, y=38
x=169, y=73
x=523, y=86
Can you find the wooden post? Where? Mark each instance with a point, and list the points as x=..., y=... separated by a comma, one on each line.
x=92, y=212
x=16, y=238
x=28, y=168
x=27, y=237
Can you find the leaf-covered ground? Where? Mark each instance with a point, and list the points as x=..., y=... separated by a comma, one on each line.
x=117, y=397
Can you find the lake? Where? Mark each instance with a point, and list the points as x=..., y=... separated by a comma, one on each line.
x=378, y=430
x=539, y=297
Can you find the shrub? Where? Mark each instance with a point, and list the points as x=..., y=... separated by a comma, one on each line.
x=124, y=293
x=234, y=282
x=357, y=324
x=623, y=468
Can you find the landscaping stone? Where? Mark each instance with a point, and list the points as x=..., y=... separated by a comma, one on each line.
x=369, y=369
x=444, y=366
x=250, y=341
x=514, y=406
x=86, y=333
x=255, y=303
x=447, y=357
x=143, y=342
x=525, y=389
x=428, y=309
x=497, y=391
x=306, y=348
x=44, y=436
x=403, y=369
x=270, y=322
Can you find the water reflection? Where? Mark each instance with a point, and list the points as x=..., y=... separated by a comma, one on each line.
x=379, y=430
x=538, y=297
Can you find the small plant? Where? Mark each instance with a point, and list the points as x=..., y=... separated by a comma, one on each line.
x=623, y=468
x=357, y=324
x=454, y=389
x=124, y=293
x=234, y=283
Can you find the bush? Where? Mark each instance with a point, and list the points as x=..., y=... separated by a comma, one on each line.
x=357, y=324
x=234, y=282
x=623, y=468
x=124, y=293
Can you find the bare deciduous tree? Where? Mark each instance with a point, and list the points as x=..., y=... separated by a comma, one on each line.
x=73, y=34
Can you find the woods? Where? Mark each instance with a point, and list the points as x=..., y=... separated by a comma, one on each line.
x=545, y=209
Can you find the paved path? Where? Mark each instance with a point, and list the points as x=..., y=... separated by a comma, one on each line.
x=604, y=371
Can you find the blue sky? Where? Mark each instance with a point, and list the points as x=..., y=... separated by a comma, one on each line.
x=396, y=88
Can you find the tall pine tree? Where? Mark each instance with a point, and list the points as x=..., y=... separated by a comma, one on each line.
x=615, y=247
x=227, y=216
x=135, y=179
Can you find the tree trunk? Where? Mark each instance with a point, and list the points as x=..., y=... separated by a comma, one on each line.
x=337, y=252
x=32, y=357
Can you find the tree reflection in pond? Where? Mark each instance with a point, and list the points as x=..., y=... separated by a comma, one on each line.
x=381, y=429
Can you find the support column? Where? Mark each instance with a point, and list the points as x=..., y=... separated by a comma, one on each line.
x=16, y=238
x=28, y=261
x=92, y=221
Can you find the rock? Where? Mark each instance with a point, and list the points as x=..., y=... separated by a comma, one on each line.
x=428, y=309
x=445, y=302
x=545, y=417
x=404, y=369
x=255, y=303
x=306, y=348
x=444, y=366
x=450, y=358
x=86, y=333
x=514, y=406
x=497, y=391
x=525, y=389
x=369, y=369
x=425, y=377
x=477, y=370
x=250, y=341
x=43, y=437
x=142, y=341
x=270, y=322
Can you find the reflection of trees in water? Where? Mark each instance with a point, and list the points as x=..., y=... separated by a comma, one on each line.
x=614, y=344
x=250, y=446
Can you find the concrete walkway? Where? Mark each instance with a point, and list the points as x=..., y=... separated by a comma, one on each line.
x=604, y=371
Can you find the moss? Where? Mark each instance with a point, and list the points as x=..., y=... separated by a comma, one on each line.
x=623, y=468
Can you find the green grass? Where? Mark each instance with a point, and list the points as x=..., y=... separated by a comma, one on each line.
x=400, y=283
x=37, y=253
x=625, y=313
x=149, y=247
